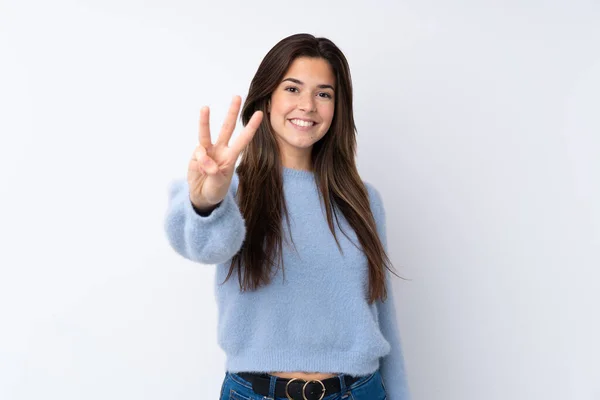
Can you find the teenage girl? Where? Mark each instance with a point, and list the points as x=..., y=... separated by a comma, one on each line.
x=305, y=305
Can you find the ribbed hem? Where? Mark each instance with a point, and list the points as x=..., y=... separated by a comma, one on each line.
x=259, y=360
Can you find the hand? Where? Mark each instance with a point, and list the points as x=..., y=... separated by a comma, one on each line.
x=212, y=165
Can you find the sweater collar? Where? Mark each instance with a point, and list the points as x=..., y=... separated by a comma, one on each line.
x=298, y=173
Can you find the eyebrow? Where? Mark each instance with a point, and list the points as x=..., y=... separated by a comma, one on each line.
x=299, y=82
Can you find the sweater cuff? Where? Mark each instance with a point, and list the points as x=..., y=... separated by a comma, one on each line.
x=226, y=208
x=205, y=213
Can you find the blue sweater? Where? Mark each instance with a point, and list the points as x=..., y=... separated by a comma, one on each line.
x=318, y=319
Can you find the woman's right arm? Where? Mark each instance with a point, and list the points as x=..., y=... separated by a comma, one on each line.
x=211, y=238
x=203, y=222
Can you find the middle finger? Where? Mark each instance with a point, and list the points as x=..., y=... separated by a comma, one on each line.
x=229, y=124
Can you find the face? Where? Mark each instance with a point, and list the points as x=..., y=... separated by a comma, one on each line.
x=302, y=106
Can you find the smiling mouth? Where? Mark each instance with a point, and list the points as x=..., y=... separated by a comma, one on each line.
x=302, y=123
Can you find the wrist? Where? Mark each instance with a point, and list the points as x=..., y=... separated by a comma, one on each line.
x=204, y=209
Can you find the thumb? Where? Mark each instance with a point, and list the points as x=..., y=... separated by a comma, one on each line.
x=205, y=163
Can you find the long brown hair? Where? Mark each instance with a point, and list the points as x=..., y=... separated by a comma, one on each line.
x=260, y=191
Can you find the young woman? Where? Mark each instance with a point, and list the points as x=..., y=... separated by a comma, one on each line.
x=302, y=285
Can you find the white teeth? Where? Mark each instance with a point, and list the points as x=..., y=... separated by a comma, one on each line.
x=299, y=122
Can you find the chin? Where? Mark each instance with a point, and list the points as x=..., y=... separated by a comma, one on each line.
x=302, y=144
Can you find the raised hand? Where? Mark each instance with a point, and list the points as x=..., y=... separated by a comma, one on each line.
x=212, y=165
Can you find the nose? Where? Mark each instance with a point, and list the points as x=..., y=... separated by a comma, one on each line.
x=307, y=103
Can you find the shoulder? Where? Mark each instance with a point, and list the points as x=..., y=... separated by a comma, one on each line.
x=235, y=181
x=375, y=200
x=378, y=210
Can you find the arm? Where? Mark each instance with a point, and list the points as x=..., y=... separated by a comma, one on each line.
x=211, y=238
x=392, y=365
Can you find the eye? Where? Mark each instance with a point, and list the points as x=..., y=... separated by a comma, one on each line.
x=291, y=89
x=325, y=95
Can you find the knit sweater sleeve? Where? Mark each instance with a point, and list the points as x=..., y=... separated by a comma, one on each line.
x=211, y=239
x=392, y=365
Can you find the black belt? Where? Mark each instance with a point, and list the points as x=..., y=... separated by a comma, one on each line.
x=313, y=390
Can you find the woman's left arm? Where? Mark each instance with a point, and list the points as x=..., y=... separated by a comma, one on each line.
x=392, y=365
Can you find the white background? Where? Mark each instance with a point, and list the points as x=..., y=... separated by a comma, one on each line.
x=478, y=121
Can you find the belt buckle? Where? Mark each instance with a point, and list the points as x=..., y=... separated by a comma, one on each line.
x=287, y=394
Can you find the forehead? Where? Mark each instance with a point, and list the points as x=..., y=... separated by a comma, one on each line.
x=310, y=70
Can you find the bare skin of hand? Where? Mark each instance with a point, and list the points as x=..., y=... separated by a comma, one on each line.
x=211, y=167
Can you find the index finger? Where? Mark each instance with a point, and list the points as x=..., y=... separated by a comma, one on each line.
x=247, y=133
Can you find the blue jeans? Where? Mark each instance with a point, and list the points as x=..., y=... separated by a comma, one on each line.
x=369, y=387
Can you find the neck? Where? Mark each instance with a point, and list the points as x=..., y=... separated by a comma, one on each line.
x=297, y=161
